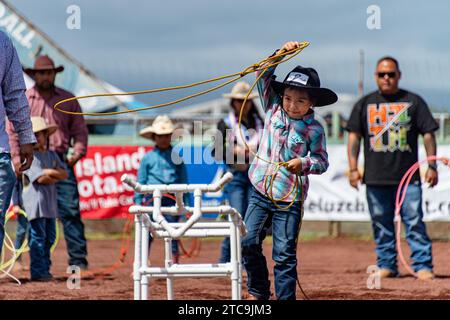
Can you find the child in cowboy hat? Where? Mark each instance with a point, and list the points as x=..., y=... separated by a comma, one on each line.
x=291, y=136
x=39, y=199
x=157, y=167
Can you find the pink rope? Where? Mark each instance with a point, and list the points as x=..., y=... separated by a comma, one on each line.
x=400, y=198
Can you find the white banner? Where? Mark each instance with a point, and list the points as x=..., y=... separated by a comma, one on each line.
x=331, y=198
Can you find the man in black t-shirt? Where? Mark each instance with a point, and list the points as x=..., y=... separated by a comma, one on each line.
x=389, y=121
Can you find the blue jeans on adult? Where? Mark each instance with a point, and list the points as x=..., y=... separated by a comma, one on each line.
x=7, y=181
x=381, y=201
x=237, y=192
x=262, y=213
x=42, y=235
x=22, y=221
x=69, y=213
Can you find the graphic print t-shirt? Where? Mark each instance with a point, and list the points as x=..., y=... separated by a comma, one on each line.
x=390, y=126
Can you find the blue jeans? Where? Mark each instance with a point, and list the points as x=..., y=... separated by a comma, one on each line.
x=21, y=231
x=237, y=192
x=7, y=181
x=42, y=235
x=22, y=221
x=69, y=213
x=381, y=201
x=261, y=213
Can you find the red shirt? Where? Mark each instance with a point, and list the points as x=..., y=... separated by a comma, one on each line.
x=72, y=129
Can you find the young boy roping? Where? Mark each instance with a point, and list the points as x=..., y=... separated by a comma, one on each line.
x=291, y=136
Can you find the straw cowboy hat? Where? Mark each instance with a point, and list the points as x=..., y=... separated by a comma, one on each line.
x=161, y=125
x=39, y=124
x=239, y=91
x=43, y=63
x=306, y=78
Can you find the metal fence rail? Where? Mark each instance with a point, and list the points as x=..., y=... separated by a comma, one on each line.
x=126, y=129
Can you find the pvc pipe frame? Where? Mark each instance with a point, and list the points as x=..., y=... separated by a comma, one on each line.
x=191, y=228
x=174, y=188
x=174, y=211
x=179, y=189
x=142, y=272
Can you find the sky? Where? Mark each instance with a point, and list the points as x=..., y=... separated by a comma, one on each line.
x=140, y=44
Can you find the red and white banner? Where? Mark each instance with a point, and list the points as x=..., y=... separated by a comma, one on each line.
x=102, y=194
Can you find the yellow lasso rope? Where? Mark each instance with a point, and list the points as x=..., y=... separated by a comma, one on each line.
x=24, y=247
x=235, y=76
x=278, y=165
x=16, y=252
x=261, y=65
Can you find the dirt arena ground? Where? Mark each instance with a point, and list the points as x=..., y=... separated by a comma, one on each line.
x=329, y=268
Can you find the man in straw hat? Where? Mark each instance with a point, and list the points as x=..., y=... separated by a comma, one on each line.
x=40, y=199
x=157, y=167
x=72, y=132
x=14, y=105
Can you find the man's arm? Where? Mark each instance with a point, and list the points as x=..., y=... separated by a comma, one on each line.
x=16, y=105
x=14, y=146
x=79, y=133
x=353, y=147
x=431, y=176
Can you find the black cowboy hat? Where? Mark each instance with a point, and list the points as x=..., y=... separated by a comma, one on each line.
x=308, y=79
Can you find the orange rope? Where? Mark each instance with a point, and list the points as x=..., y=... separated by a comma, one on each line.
x=124, y=247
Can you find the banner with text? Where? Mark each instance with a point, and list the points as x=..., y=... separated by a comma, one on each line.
x=102, y=194
x=330, y=197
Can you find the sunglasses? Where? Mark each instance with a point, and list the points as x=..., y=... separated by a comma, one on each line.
x=389, y=74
